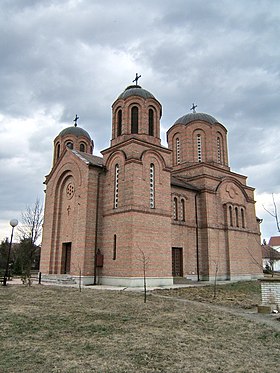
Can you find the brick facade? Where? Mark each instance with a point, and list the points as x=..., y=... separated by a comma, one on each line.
x=180, y=208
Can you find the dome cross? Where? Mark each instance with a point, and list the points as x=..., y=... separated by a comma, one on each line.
x=193, y=108
x=137, y=77
x=76, y=120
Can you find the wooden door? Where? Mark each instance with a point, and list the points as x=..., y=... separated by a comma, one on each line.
x=177, y=262
x=66, y=257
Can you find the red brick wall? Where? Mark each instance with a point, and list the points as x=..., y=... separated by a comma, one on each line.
x=234, y=251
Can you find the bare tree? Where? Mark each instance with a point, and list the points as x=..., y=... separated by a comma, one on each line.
x=30, y=231
x=31, y=223
x=80, y=276
x=216, y=263
x=4, y=247
x=274, y=213
x=145, y=261
x=272, y=256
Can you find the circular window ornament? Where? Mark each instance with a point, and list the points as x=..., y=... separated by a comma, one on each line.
x=70, y=190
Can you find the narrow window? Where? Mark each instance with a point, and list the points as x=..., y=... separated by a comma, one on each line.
x=219, y=154
x=82, y=147
x=236, y=216
x=119, y=126
x=199, y=148
x=115, y=247
x=175, y=208
x=242, y=218
x=151, y=122
x=152, y=185
x=230, y=216
x=178, y=160
x=134, y=119
x=116, y=194
x=182, y=209
x=57, y=151
x=69, y=145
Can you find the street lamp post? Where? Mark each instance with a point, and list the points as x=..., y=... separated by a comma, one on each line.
x=13, y=224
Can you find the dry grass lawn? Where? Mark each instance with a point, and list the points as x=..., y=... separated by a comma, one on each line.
x=48, y=329
x=243, y=294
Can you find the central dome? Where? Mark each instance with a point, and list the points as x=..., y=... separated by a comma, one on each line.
x=76, y=131
x=136, y=90
x=191, y=117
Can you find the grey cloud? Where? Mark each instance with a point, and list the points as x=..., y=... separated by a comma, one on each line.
x=68, y=57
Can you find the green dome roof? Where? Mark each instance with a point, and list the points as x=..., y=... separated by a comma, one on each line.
x=185, y=119
x=136, y=90
x=76, y=131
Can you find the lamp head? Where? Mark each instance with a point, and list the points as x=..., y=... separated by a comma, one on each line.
x=14, y=222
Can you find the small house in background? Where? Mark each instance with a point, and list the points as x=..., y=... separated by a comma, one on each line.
x=274, y=242
x=271, y=258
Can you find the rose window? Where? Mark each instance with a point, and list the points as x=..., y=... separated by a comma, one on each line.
x=70, y=190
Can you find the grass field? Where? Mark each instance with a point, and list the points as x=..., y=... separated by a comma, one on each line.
x=243, y=294
x=55, y=329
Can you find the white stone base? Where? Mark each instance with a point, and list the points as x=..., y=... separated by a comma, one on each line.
x=237, y=277
x=245, y=277
x=135, y=281
x=107, y=280
x=85, y=280
x=191, y=277
x=67, y=279
x=213, y=278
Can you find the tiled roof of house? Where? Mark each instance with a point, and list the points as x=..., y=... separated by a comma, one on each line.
x=274, y=241
x=269, y=253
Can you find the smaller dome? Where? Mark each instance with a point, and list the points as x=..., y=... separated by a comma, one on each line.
x=76, y=131
x=136, y=90
x=185, y=119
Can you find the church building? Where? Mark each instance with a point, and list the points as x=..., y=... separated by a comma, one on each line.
x=177, y=212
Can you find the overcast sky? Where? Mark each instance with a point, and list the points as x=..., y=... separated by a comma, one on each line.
x=63, y=57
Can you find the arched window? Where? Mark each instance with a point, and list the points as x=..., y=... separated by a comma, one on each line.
x=236, y=216
x=116, y=192
x=151, y=122
x=175, y=208
x=182, y=209
x=119, y=125
x=178, y=160
x=82, y=147
x=134, y=119
x=219, y=150
x=152, y=186
x=199, y=148
x=242, y=218
x=57, y=151
x=69, y=145
x=230, y=216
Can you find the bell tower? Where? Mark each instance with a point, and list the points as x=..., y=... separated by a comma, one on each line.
x=136, y=113
x=137, y=210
